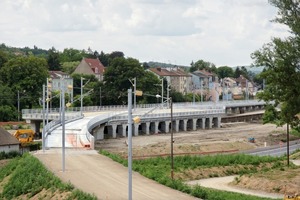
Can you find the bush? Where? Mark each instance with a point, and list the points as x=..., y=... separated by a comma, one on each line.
x=28, y=177
x=199, y=192
x=9, y=155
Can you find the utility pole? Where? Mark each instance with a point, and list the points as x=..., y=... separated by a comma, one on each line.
x=47, y=101
x=129, y=144
x=81, y=98
x=134, y=85
x=43, y=132
x=172, y=140
x=247, y=93
x=201, y=88
x=18, y=106
x=100, y=98
x=63, y=124
x=193, y=95
x=162, y=92
x=168, y=92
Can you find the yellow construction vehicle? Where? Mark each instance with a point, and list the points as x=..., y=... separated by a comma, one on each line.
x=25, y=136
x=294, y=197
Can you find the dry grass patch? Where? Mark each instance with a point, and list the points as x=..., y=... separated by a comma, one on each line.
x=280, y=181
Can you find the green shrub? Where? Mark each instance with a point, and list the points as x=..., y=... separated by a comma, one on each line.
x=77, y=194
x=9, y=155
x=199, y=192
x=28, y=177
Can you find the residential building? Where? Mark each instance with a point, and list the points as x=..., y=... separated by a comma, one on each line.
x=91, y=66
x=59, y=79
x=206, y=83
x=8, y=142
x=246, y=86
x=176, y=78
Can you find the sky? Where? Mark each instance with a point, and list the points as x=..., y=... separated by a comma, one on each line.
x=223, y=32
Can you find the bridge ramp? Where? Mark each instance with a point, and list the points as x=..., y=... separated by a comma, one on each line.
x=74, y=137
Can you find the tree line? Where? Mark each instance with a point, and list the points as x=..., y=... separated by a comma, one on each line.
x=24, y=70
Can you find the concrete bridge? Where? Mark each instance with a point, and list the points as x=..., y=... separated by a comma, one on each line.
x=111, y=121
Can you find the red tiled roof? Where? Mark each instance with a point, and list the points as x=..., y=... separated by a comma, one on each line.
x=180, y=72
x=204, y=72
x=164, y=72
x=95, y=64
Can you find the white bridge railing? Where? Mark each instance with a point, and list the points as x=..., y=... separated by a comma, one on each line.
x=53, y=113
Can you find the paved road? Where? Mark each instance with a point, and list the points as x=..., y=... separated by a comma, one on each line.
x=276, y=150
x=99, y=175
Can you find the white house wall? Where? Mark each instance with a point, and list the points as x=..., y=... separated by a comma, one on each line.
x=9, y=148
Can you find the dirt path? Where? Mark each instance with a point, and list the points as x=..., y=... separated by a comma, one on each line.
x=222, y=183
x=108, y=180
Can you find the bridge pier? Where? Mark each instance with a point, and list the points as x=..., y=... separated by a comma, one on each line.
x=194, y=124
x=154, y=127
x=203, y=123
x=114, y=130
x=124, y=126
x=209, y=123
x=217, y=122
x=99, y=132
x=145, y=128
x=185, y=124
x=136, y=129
x=166, y=126
x=176, y=125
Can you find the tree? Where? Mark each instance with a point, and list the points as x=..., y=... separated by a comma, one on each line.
x=150, y=84
x=224, y=71
x=7, y=113
x=7, y=97
x=8, y=101
x=3, y=58
x=281, y=58
x=116, y=78
x=71, y=55
x=26, y=74
x=69, y=67
x=104, y=58
x=53, y=60
x=116, y=54
x=203, y=65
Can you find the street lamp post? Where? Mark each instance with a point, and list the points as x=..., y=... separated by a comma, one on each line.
x=201, y=92
x=168, y=92
x=100, y=98
x=162, y=91
x=47, y=100
x=63, y=123
x=43, y=132
x=18, y=106
x=130, y=144
x=134, y=88
x=172, y=141
x=81, y=91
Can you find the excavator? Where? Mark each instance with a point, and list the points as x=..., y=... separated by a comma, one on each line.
x=25, y=136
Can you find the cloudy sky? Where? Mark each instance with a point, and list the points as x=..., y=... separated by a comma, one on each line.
x=224, y=32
